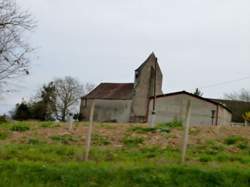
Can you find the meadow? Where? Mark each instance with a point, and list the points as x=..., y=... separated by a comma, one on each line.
x=49, y=154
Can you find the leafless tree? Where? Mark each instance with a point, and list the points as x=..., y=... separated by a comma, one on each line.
x=242, y=95
x=14, y=48
x=88, y=87
x=68, y=91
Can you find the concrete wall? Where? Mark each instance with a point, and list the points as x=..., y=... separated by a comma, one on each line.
x=173, y=107
x=144, y=85
x=107, y=110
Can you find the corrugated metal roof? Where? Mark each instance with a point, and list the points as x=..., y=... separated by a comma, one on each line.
x=119, y=91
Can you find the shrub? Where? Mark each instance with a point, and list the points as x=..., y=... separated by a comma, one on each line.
x=133, y=141
x=19, y=128
x=142, y=129
x=3, y=135
x=232, y=140
x=100, y=140
x=47, y=124
x=33, y=141
x=243, y=145
x=205, y=158
x=3, y=119
x=150, y=129
x=175, y=123
x=65, y=139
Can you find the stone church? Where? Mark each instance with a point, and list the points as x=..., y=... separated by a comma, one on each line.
x=134, y=102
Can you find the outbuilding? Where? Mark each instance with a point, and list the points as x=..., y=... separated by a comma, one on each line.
x=204, y=111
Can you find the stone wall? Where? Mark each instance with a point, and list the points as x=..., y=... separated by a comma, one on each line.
x=107, y=110
x=144, y=86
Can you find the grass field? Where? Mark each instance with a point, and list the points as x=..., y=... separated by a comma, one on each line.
x=48, y=154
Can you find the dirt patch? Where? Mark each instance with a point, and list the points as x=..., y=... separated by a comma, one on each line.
x=115, y=133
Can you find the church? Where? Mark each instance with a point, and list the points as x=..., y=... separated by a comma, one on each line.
x=135, y=102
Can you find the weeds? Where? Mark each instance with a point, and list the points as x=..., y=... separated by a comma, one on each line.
x=3, y=135
x=65, y=139
x=133, y=141
x=19, y=128
x=231, y=140
x=100, y=140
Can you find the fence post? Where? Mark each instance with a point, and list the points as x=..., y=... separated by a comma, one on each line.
x=186, y=131
x=89, y=133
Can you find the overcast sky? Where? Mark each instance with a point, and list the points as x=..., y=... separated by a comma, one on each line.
x=198, y=43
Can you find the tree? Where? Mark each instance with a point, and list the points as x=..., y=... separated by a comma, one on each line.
x=242, y=95
x=198, y=92
x=14, y=50
x=68, y=93
x=246, y=116
x=22, y=112
x=45, y=107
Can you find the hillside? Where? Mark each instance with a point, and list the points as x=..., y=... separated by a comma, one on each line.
x=48, y=154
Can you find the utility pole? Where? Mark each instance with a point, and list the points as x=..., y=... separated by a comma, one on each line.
x=152, y=122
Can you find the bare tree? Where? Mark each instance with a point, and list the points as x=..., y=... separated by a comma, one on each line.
x=68, y=91
x=242, y=95
x=88, y=87
x=14, y=49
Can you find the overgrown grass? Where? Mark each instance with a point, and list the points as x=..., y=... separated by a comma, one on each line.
x=90, y=174
x=3, y=135
x=19, y=128
x=65, y=139
x=130, y=162
x=133, y=141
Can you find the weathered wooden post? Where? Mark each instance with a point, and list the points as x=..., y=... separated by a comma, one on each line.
x=89, y=133
x=186, y=131
x=153, y=117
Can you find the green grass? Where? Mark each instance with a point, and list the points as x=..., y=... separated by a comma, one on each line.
x=49, y=159
x=133, y=141
x=65, y=139
x=3, y=135
x=233, y=140
x=91, y=174
x=19, y=128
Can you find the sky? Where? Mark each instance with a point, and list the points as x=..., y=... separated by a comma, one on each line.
x=199, y=43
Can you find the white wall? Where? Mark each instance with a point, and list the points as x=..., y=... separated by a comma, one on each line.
x=173, y=107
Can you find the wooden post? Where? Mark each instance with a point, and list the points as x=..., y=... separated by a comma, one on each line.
x=186, y=131
x=152, y=122
x=89, y=135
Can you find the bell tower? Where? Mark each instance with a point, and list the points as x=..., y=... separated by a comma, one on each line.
x=148, y=82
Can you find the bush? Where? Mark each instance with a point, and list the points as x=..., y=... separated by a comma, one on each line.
x=65, y=139
x=173, y=124
x=205, y=158
x=3, y=119
x=3, y=135
x=47, y=124
x=19, y=128
x=133, y=141
x=233, y=140
x=34, y=141
x=100, y=140
x=150, y=129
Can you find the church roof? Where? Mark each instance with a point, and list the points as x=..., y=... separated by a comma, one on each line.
x=118, y=91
